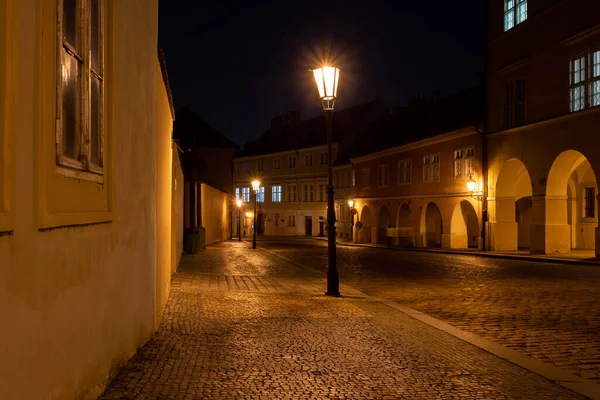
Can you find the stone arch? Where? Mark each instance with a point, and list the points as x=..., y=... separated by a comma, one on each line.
x=383, y=223
x=431, y=225
x=512, y=226
x=367, y=222
x=405, y=230
x=464, y=226
x=570, y=207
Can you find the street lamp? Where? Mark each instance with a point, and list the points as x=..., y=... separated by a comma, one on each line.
x=471, y=186
x=239, y=204
x=255, y=187
x=351, y=205
x=327, y=83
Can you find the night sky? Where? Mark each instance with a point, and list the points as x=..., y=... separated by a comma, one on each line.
x=238, y=64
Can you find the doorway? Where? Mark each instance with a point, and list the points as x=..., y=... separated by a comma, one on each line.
x=321, y=226
x=307, y=226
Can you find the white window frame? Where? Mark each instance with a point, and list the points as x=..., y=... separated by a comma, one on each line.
x=322, y=192
x=276, y=193
x=82, y=54
x=246, y=194
x=515, y=13
x=427, y=168
x=435, y=167
x=292, y=162
x=383, y=175
x=237, y=193
x=405, y=171
x=276, y=163
x=292, y=220
x=578, y=82
x=308, y=160
x=260, y=195
x=291, y=192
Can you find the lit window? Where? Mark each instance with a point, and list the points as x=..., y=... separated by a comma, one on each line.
x=276, y=194
x=260, y=195
x=595, y=80
x=578, y=78
x=383, y=175
x=515, y=12
x=80, y=136
x=237, y=193
x=246, y=195
x=590, y=202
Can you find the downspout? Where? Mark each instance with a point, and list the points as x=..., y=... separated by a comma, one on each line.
x=484, y=151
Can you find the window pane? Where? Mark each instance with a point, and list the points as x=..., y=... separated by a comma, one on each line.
x=95, y=126
x=95, y=33
x=595, y=93
x=70, y=141
x=521, y=11
x=70, y=22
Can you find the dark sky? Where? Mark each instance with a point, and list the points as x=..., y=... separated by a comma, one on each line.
x=240, y=63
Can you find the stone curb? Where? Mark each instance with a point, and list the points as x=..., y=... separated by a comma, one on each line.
x=517, y=257
x=563, y=378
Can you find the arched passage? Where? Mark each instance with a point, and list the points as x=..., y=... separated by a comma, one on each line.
x=365, y=230
x=405, y=230
x=512, y=226
x=431, y=226
x=383, y=223
x=464, y=226
x=571, y=212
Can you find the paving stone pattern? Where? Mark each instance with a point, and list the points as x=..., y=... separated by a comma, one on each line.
x=243, y=324
x=548, y=311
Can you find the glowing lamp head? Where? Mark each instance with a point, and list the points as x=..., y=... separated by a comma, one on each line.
x=239, y=203
x=351, y=203
x=327, y=79
x=471, y=185
x=255, y=185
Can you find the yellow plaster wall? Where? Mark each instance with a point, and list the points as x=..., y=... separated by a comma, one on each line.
x=78, y=301
x=164, y=129
x=177, y=213
x=216, y=207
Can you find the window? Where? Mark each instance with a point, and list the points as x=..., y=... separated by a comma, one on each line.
x=309, y=192
x=515, y=12
x=514, y=104
x=308, y=160
x=276, y=194
x=383, y=175
x=590, y=203
x=246, y=168
x=237, y=193
x=404, y=171
x=238, y=168
x=595, y=80
x=292, y=162
x=324, y=158
x=463, y=163
x=322, y=192
x=291, y=193
x=353, y=184
x=435, y=167
x=260, y=166
x=246, y=195
x=577, y=82
x=291, y=220
x=364, y=176
x=277, y=163
x=427, y=169
x=260, y=195
x=80, y=136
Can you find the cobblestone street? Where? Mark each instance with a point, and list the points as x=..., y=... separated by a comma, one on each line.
x=244, y=324
x=548, y=311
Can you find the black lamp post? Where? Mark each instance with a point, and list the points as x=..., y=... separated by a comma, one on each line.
x=327, y=82
x=239, y=205
x=351, y=204
x=255, y=187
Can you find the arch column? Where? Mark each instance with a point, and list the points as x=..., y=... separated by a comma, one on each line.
x=504, y=230
x=550, y=232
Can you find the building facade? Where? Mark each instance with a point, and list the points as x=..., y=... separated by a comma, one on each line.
x=543, y=80
x=87, y=244
x=345, y=191
x=292, y=197
x=416, y=194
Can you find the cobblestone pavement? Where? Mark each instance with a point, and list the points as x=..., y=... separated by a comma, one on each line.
x=243, y=324
x=548, y=311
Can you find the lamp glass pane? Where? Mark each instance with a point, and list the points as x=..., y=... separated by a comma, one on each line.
x=319, y=79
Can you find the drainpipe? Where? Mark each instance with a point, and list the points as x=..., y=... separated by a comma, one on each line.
x=484, y=151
